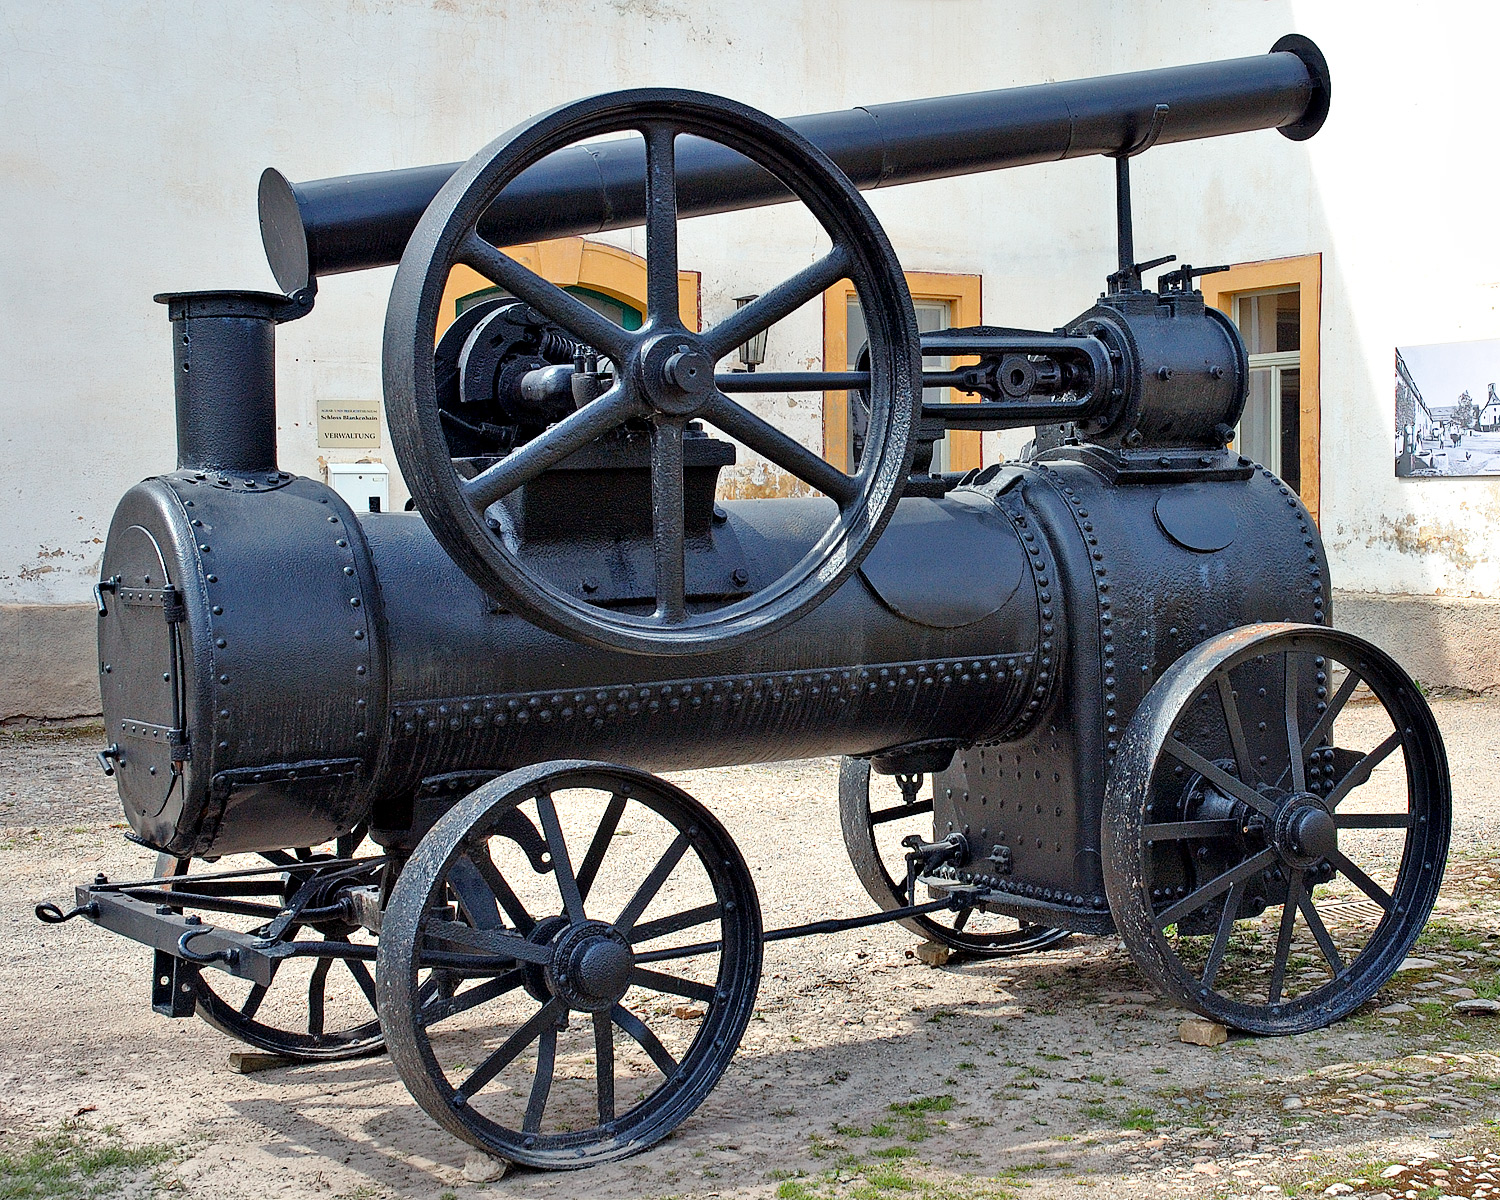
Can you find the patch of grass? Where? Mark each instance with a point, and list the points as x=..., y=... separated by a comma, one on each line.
x=1140, y=1117
x=1098, y=1110
x=922, y=1104
x=1444, y=935
x=893, y=1152
x=75, y=1163
x=791, y=1189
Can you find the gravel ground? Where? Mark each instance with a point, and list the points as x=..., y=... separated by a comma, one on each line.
x=864, y=1074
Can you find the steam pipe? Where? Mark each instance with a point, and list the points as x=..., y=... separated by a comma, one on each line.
x=354, y=222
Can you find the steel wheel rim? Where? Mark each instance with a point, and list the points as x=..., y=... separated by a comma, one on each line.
x=855, y=821
x=685, y=1081
x=1148, y=748
x=448, y=231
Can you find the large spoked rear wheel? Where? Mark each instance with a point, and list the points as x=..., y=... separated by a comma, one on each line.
x=663, y=374
x=1276, y=826
x=875, y=814
x=601, y=936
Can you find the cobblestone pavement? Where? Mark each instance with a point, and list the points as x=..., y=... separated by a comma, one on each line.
x=865, y=1074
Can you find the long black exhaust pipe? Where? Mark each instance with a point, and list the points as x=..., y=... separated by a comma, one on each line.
x=353, y=222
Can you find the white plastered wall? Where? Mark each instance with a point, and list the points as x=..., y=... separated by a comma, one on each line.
x=134, y=134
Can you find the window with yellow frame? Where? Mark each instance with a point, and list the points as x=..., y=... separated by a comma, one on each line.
x=942, y=301
x=1277, y=307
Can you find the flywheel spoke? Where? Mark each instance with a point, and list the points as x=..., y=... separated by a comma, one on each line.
x=662, y=294
x=546, y=297
x=668, y=519
x=781, y=301
x=786, y=452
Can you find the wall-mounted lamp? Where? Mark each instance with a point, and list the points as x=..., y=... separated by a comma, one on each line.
x=753, y=352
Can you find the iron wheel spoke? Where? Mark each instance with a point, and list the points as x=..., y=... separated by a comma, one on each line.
x=1284, y=936
x=1177, y=831
x=1330, y=714
x=544, y=1018
x=541, y=1086
x=253, y=1000
x=786, y=452
x=675, y=923
x=644, y=1038
x=1219, y=777
x=962, y=919
x=546, y=297
x=1236, y=729
x=317, y=992
x=571, y=434
x=480, y=858
x=440, y=1008
x=1214, y=887
x=1221, y=937
x=562, y=865
x=500, y=942
x=1360, y=773
x=363, y=978
x=897, y=811
x=782, y=300
x=662, y=294
x=668, y=521
x=1294, y=726
x=588, y=870
x=1372, y=820
x=644, y=894
x=1320, y=933
x=1362, y=881
x=604, y=1066
x=672, y=985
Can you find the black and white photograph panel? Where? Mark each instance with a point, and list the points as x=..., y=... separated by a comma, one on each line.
x=1447, y=410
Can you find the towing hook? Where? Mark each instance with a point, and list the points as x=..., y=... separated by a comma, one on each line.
x=50, y=914
x=230, y=957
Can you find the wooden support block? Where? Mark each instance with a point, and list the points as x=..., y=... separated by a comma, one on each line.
x=247, y=1062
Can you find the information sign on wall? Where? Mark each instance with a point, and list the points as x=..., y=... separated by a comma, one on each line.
x=351, y=424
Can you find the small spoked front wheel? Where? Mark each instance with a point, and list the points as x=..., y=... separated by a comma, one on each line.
x=315, y=1009
x=1276, y=826
x=875, y=813
x=600, y=941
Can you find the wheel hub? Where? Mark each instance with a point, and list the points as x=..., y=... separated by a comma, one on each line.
x=591, y=967
x=1304, y=832
x=676, y=374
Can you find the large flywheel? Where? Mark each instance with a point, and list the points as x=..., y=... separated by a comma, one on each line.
x=661, y=376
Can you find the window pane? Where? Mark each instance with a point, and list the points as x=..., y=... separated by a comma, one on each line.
x=1259, y=438
x=1270, y=322
x=1290, y=470
x=1289, y=321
